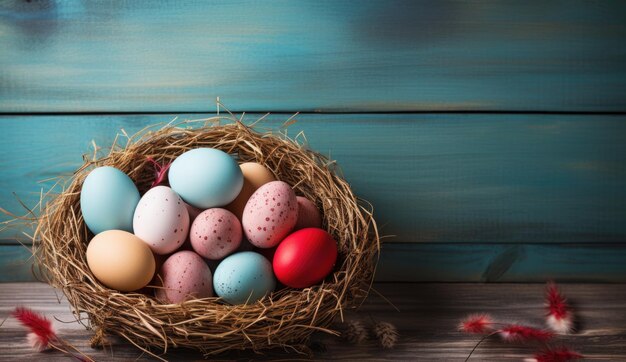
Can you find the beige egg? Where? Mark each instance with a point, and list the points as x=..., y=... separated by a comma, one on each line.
x=254, y=176
x=120, y=260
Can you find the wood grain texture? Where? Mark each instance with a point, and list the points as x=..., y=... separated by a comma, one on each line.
x=431, y=178
x=427, y=322
x=446, y=262
x=140, y=56
x=472, y=262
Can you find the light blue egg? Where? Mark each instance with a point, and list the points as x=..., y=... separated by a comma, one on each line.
x=108, y=200
x=244, y=276
x=206, y=177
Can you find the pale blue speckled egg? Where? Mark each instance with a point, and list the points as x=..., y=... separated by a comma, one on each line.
x=206, y=177
x=244, y=277
x=108, y=199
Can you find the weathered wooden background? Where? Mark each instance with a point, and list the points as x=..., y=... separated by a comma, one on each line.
x=489, y=136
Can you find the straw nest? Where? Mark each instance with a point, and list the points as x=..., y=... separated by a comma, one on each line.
x=284, y=319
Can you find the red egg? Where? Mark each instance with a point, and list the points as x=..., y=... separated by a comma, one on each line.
x=305, y=258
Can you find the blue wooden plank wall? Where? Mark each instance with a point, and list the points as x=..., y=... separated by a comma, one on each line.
x=490, y=136
x=173, y=56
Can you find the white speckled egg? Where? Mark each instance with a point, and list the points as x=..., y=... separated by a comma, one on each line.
x=308, y=214
x=244, y=277
x=161, y=220
x=270, y=214
x=215, y=233
x=185, y=276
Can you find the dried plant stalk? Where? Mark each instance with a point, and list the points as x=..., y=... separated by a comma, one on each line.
x=284, y=319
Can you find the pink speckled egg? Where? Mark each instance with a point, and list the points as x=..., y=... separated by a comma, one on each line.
x=270, y=214
x=215, y=233
x=185, y=276
x=308, y=214
x=161, y=220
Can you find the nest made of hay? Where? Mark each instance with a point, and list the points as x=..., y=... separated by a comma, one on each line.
x=285, y=319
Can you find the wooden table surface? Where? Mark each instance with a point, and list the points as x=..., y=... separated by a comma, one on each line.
x=429, y=314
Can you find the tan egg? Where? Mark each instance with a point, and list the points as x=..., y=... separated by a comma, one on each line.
x=120, y=260
x=254, y=176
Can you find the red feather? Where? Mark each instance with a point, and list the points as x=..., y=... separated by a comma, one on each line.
x=561, y=354
x=41, y=330
x=160, y=171
x=517, y=333
x=559, y=317
x=476, y=323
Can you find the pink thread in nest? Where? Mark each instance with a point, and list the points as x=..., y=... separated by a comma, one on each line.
x=160, y=171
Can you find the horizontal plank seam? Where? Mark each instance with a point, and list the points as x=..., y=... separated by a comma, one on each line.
x=348, y=112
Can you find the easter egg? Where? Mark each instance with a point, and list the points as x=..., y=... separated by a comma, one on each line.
x=270, y=214
x=108, y=199
x=120, y=260
x=305, y=258
x=206, y=177
x=215, y=233
x=185, y=275
x=243, y=277
x=254, y=176
x=161, y=220
x=308, y=214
